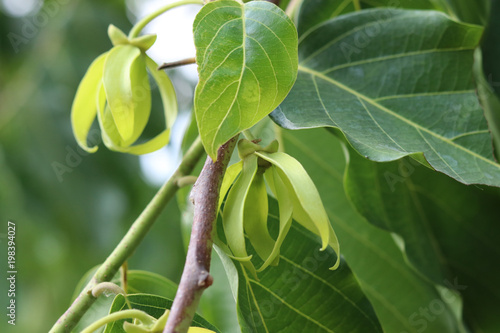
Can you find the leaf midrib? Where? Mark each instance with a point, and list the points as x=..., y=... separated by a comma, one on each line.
x=392, y=113
x=243, y=66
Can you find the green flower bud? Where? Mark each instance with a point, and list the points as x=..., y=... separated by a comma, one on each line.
x=116, y=89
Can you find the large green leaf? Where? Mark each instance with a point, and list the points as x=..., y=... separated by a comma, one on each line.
x=450, y=231
x=397, y=83
x=468, y=11
x=151, y=304
x=490, y=46
x=399, y=296
x=314, y=12
x=487, y=72
x=490, y=101
x=301, y=294
x=247, y=64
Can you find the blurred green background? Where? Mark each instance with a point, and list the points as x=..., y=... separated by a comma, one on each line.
x=70, y=209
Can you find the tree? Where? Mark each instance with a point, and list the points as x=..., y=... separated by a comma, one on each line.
x=367, y=223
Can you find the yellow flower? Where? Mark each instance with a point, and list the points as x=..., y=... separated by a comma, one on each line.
x=116, y=89
x=246, y=208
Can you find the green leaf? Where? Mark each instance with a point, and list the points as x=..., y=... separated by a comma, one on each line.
x=490, y=46
x=474, y=12
x=84, y=110
x=315, y=12
x=490, y=101
x=413, y=95
x=396, y=292
x=487, y=72
x=151, y=304
x=247, y=64
x=150, y=283
x=138, y=282
x=450, y=231
x=301, y=294
x=127, y=90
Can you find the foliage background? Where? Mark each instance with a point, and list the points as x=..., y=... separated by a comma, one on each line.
x=64, y=228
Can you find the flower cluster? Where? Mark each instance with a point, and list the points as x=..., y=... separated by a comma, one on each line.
x=116, y=89
x=246, y=207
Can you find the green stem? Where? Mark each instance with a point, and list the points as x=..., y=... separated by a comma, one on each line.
x=142, y=23
x=124, y=314
x=248, y=135
x=130, y=241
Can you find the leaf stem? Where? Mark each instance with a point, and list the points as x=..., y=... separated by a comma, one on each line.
x=187, y=61
x=137, y=28
x=124, y=314
x=130, y=241
x=195, y=277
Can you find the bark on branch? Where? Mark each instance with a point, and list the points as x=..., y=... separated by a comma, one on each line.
x=195, y=277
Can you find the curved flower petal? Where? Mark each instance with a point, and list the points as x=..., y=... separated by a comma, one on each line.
x=285, y=209
x=233, y=214
x=167, y=91
x=308, y=208
x=255, y=215
x=84, y=109
x=231, y=173
x=127, y=91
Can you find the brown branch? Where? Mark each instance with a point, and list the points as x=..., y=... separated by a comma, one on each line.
x=195, y=277
x=178, y=63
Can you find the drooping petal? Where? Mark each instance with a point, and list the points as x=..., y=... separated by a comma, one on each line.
x=308, y=208
x=285, y=209
x=233, y=214
x=231, y=173
x=127, y=98
x=255, y=217
x=110, y=136
x=141, y=97
x=169, y=100
x=84, y=109
x=167, y=91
